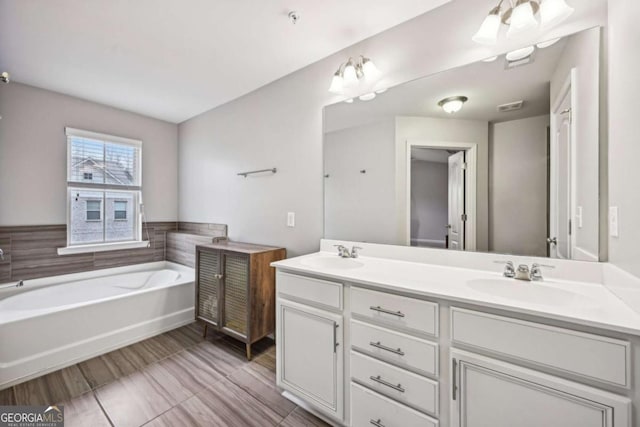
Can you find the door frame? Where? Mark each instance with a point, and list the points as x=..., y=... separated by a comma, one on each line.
x=470, y=181
x=567, y=88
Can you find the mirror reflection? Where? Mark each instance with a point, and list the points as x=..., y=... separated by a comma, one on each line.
x=499, y=155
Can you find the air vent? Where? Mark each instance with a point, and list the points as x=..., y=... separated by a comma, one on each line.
x=512, y=106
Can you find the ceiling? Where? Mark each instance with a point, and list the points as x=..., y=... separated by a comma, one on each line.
x=174, y=59
x=486, y=84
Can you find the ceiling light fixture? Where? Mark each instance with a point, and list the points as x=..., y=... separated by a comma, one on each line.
x=452, y=104
x=356, y=78
x=518, y=54
x=520, y=17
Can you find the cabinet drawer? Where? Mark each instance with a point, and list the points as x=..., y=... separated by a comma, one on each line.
x=369, y=408
x=395, y=347
x=591, y=356
x=395, y=310
x=322, y=292
x=399, y=384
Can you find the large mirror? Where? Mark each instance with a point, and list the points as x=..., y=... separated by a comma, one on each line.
x=511, y=166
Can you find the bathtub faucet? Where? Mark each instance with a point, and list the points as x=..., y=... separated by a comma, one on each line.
x=20, y=284
x=1, y=255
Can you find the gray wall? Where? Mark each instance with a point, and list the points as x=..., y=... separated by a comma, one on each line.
x=624, y=131
x=429, y=201
x=281, y=125
x=518, y=186
x=360, y=206
x=33, y=154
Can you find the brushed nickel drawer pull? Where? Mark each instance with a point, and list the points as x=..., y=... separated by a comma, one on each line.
x=385, y=348
x=388, y=384
x=385, y=311
x=377, y=423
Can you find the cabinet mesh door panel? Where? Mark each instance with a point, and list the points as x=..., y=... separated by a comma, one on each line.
x=236, y=279
x=208, y=286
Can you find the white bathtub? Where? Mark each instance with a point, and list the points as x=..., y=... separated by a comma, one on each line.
x=54, y=322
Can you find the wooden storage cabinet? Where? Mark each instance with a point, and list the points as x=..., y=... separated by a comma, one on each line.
x=235, y=289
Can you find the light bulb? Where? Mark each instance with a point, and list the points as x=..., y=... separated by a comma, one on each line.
x=349, y=101
x=548, y=43
x=337, y=84
x=488, y=31
x=522, y=19
x=518, y=54
x=490, y=59
x=349, y=74
x=367, y=96
x=369, y=69
x=553, y=12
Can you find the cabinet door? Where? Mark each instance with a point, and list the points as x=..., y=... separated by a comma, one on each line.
x=236, y=293
x=208, y=269
x=310, y=356
x=487, y=392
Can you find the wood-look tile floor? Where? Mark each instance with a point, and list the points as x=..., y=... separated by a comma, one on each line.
x=174, y=379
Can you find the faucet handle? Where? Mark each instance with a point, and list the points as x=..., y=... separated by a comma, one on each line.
x=509, y=270
x=536, y=271
x=354, y=251
x=343, y=251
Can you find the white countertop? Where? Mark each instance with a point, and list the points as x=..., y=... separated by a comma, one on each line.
x=589, y=304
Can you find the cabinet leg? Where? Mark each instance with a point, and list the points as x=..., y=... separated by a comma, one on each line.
x=248, y=351
x=204, y=333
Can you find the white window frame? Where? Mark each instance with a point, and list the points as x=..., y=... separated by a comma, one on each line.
x=75, y=186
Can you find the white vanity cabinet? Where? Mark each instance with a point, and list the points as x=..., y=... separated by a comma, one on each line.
x=310, y=355
x=488, y=392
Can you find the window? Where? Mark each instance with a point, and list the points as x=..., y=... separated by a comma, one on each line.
x=104, y=188
x=120, y=210
x=94, y=210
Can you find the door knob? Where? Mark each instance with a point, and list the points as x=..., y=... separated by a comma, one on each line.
x=448, y=226
x=552, y=241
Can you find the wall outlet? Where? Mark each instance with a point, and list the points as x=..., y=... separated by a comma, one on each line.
x=291, y=219
x=613, y=221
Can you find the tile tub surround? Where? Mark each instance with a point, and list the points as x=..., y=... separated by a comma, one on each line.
x=193, y=381
x=31, y=251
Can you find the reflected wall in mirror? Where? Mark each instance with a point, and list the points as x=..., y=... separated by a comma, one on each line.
x=514, y=171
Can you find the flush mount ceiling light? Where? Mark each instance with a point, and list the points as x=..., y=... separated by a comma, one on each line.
x=520, y=17
x=452, y=104
x=356, y=78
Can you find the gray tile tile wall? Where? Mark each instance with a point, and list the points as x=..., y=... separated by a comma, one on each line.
x=30, y=252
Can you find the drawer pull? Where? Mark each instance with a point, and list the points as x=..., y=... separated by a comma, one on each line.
x=385, y=348
x=384, y=310
x=377, y=423
x=388, y=384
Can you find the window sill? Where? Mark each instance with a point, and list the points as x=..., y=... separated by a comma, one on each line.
x=101, y=247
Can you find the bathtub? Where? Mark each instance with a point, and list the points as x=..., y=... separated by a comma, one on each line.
x=54, y=322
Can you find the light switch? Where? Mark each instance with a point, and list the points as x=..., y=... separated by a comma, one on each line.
x=579, y=216
x=291, y=219
x=613, y=221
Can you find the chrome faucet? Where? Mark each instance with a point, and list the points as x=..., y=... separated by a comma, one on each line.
x=20, y=284
x=1, y=255
x=344, y=252
x=509, y=270
x=536, y=272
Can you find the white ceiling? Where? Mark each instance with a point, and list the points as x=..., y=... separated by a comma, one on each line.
x=175, y=59
x=486, y=84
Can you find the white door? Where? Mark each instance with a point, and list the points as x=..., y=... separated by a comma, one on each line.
x=498, y=394
x=456, y=201
x=560, y=193
x=310, y=362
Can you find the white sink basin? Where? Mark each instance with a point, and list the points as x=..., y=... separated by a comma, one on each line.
x=332, y=262
x=531, y=292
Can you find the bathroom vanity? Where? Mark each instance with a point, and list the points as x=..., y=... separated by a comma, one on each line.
x=395, y=340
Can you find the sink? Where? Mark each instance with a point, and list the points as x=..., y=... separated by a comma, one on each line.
x=332, y=262
x=531, y=292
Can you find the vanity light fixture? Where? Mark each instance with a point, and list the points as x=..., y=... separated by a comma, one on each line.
x=355, y=77
x=367, y=96
x=4, y=77
x=490, y=59
x=520, y=17
x=452, y=104
x=518, y=54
